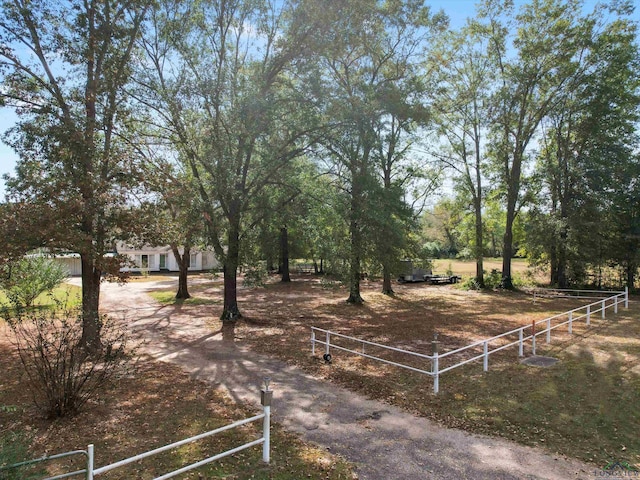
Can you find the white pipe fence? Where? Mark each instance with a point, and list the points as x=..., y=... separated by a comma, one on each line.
x=90, y=472
x=508, y=339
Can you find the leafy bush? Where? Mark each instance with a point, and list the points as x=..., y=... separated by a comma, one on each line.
x=61, y=374
x=14, y=449
x=491, y=281
x=28, y=277
x=255, y=275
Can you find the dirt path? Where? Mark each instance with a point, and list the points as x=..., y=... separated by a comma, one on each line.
x=382, y=441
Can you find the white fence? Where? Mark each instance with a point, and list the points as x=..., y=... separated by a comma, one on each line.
x=90, y=472
x=486, y=347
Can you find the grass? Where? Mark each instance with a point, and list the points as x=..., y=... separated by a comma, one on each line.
x=65, y=293
x=159, y=405
x=168, y=297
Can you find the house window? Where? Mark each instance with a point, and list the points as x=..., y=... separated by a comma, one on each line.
x=142, y=261
x=193, y=258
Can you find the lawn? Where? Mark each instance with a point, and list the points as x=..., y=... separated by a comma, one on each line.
x=586, y=406
x=64, y=293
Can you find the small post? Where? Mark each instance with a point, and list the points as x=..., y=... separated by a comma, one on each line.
x=486, y=356
x=90, y=462
x=588, y=315
x=434, y=364
x=533, y=337
x=626, y=297
x=604, y=303
x=520, y=343
x=570, y=322
x=548, y=330
x=615, y=305
x=266, y=396
x=313, y=341
x=328, y=340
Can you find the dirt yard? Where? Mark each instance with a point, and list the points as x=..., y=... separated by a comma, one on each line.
x=584, y=407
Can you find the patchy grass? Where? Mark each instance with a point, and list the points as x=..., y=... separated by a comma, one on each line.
x=65, y=293
x=168, y=297
x=157, y=406
x=586, y=406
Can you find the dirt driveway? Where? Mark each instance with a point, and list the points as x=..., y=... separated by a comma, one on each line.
x=381, y=440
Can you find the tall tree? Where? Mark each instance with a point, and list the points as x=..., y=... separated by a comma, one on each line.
x=371, y=83
x=224, y=81
x=587, y=162
x=64, y=67
x=532, y=52
x=465, y=83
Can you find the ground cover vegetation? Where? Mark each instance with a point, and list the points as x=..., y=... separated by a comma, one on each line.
x=583, y=407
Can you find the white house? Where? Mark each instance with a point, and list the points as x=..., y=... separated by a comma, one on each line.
x=162, y=259
x=145, y=259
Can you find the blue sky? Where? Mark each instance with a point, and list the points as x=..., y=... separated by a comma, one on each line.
x=457, y=10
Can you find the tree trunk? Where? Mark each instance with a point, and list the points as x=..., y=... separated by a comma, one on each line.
x=354, y=267
x=387, y=289
x=631, y=275
x=183, y=265
x=507, y=253
x=479, y=243
x=91, y=277
x=284, y=250
x=561, y=265
x=231, y=312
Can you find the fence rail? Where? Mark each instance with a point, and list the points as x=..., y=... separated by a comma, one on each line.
x=323, y=337
x=90, y=472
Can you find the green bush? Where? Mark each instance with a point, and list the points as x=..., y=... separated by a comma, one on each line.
x=14, y=448
x=24, y=279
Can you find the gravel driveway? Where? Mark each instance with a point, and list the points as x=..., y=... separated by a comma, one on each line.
x=381, y=440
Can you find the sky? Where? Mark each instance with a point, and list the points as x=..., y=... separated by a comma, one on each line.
x=457, y=10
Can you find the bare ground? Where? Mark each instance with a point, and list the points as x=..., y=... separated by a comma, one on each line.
x=382, y=440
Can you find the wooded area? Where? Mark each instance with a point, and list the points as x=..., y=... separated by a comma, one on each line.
x=229, y=123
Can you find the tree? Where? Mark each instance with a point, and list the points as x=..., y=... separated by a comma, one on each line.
x=372, y=92
x=587, y=163
x=25, y=279
x=224, y=82
x=461, y=107
x=532, y=52
x=64, y=67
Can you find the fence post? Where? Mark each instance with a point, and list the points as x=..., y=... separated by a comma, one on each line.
x=548, y=330
x=90, y=462
x=626, y=297
x=266, y=396
x=570, y=322
x=615, y=305
x=533, y=337
x=328, y=340
x=520, y=345
x=604, y=303
x=486, y=356
x=434, y=364
x=313, y=341
x=588, y=314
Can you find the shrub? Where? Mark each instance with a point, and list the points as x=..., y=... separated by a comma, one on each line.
x=14, y=449
x=61, y=374
x=28, y=277
x=491, y=281
x=255, y=276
